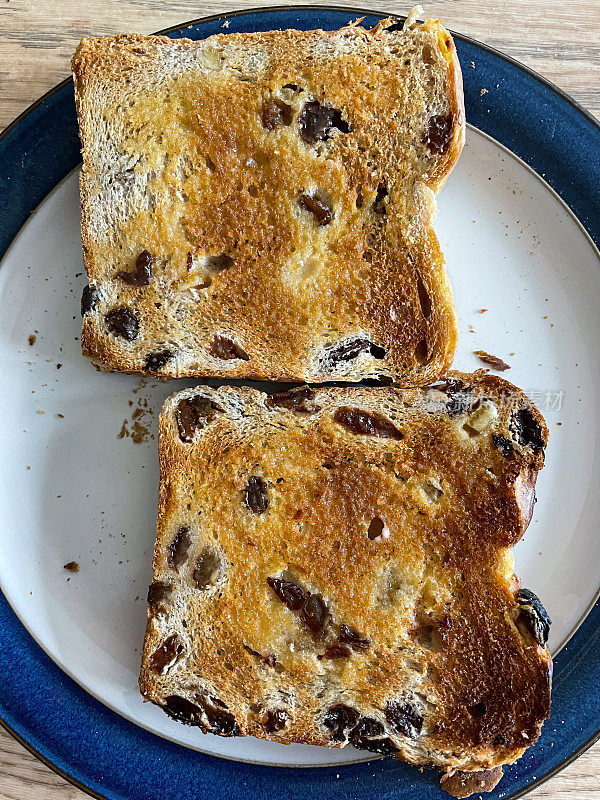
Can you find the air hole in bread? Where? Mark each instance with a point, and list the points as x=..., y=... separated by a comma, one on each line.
x=218, y=263
x=424, y=298
x=432, y=490
x=359, y=200
x=253, y=191
x=210, y=164
x=427, y=54
x=421, y=352
x=428, y=637
x=379, y=205
x=377, y=530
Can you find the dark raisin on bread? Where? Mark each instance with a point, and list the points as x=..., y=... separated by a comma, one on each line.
x=333, y=566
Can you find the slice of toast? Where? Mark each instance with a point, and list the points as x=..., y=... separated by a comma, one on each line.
x=334, y=566
x=259, y=205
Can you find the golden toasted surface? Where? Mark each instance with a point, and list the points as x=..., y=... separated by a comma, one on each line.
x=333, y=566
x=260, y=205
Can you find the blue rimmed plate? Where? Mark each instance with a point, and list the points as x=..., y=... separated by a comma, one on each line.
x=516, y=245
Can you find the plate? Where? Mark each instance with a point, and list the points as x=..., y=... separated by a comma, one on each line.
x=517, y=223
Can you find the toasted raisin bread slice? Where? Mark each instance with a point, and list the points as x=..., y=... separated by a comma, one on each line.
x=333, y=566
x=259, y=205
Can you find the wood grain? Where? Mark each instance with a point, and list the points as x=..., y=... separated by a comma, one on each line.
x=561, y=40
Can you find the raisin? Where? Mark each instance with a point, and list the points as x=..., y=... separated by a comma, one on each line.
x=439, y=133
x=378, y=204
x=314, y=613
x=367, y=423
x=154, y=361
x=503, y=444
x=368, y=736
x=275, y=113
x=123, y=322
x=384, y=746
x=319, y=208
x=369, y=727
x=166, y=654
x=298, y=399
x=316, y=122
x=223, y=348
x=460, y=398
x=353, y=638
x=193, y=414
x=339, y=720
x=255, y=495
x=395, y=26
x=183, y=710
x=527, y=429
x=351, y=348
x=157, y=593
x=290, y=594
x=89, y=298
x=404, y=718
x=335, y=651
x=207, y=568
x=534, y=616
x=275, y=720
x=143, y=270
x=477, y=710
x=178, y=549
x=220, y=720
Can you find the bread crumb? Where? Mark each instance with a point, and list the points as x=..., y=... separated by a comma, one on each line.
x=31, y=339
x=225, y=24
x=39, y=411
x=472, y=65
x=60, y=416
x=482, y=310
x=139, y=433
x=72, y=566
x=58, y=366
x=494, y=362
x=484, y=91
x=123, y=432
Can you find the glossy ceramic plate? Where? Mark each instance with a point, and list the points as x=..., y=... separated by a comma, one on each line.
x=78, y=477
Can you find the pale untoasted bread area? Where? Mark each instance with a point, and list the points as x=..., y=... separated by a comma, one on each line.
x=209, y=156
x=391, y=515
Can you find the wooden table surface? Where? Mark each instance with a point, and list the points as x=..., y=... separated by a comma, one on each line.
x=561, y=40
